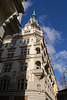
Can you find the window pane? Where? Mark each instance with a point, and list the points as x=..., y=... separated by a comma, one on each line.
x=27, y=41
x=28, y=51
x=26, y=84
x=24, y=41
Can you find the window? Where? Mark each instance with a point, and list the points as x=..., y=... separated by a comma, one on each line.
x=7, y=67
x=38, y=64
x=6, y=44
x=37, y=40
x=10, y=54
x=22, y=84
x=0, y=54
x=25, y=51
x=37, y=50
x=13, y=42
x=27, y=41
x=4, y=84
x=23, y=66
x=24, y=41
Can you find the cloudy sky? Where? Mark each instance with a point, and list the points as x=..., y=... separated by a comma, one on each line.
x=52, y=17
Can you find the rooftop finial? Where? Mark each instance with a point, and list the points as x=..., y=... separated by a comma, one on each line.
x=34, y=16
x=34, y=12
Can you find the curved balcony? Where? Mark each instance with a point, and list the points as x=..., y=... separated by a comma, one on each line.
x=38, y=73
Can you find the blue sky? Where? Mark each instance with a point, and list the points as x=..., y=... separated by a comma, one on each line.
x=52, y=17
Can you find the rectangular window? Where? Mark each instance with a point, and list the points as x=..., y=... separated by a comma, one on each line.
x=27, y=41
x=6, y=44
x=4, y=84
x=25, y=52
x=23, y=66
x=24, y=41
x=10, y=54
x=13, y=42
x=22, y=84
x=7, y=67
x=0, y=54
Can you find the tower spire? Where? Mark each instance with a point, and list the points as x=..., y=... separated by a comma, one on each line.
x=34, y=17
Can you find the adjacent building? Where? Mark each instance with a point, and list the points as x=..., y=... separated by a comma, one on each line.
x=26, y=70
x=62, y=94
x=10, y=15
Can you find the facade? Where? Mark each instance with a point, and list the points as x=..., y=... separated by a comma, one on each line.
x=26, y=70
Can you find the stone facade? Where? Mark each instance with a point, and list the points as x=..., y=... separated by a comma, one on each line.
x=26, y=70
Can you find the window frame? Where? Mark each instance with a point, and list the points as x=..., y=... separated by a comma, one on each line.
x=7, y=67
x=22, y=84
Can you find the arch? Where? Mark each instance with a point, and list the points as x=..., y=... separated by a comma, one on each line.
x=37, y=50
x=38, y=64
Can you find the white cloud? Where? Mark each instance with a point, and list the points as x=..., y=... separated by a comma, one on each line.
x=58, y=67
x=51, y=35
x=60, y=61
x=59, y=85
x=42, y=19
x=62, y=54
x=27, y=4
x=50, y=49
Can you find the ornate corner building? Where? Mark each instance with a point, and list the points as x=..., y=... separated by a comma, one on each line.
x=26, y=70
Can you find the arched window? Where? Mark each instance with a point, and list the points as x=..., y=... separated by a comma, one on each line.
x=22, y=84
x=37, y=50
x=4, y=84
x=38, y=64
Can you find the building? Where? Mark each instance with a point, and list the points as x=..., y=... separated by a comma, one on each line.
x=26, y=70
x=55, y=85
x=10, y=16
x=62, y=94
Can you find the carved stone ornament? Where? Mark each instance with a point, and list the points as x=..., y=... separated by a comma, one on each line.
x=38, y=86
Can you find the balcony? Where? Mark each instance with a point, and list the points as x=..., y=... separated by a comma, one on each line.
x=39, y=73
